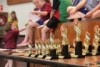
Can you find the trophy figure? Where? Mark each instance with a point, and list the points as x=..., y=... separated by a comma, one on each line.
x=43, y=50
x=99, y=41
x=53, y=50
x=78, y=42
x=36, y=49
x=96, y=40
x=46, y=47
x=58, y=46
x=30, y=48
x=86, y=44
x=65, y=43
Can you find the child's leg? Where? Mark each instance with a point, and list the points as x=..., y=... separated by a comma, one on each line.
x=26, y=38
x=44, y=33
x=96, y=14
x=10, y=63
x=7, y=64
x=30, y=30
x=52, y=23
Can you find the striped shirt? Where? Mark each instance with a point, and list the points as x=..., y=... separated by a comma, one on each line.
x=91, y=4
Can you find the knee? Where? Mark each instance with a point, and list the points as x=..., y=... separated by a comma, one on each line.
x=44, y=30
x=29, y=25
x=96, y=15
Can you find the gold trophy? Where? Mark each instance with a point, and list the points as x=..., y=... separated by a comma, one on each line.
x=46, y=47
x=58, y=46
x=43, y=49
x=64, y=35
x=30, y=48
x=52, y=51
x=77, y=28
x=99, y=42
x=96, y=40
x=65, y=43
x=37, y=52
x=78, y=42
x=86, y=44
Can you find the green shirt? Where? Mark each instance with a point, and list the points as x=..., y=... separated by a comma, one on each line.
x=62, y=8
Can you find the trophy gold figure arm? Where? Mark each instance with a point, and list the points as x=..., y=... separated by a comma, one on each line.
x=96, y=40
x=64, y=35
x=77, y=28
x=86, y=43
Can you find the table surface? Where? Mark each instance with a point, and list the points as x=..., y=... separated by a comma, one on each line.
x=73, y=62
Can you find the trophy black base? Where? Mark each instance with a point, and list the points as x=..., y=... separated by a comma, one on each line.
x=81, y=56
x=88, y=54
x=41, y=56
x=90, y=50
x=53, y=54
x=29, y=54
x=78, y=48
x=65, y=52
x=36, y=56
x=99, y=49
x=68, y=56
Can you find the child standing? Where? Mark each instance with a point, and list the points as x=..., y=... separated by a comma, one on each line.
x=13, y=19
x=10, y=39
x=58, y=14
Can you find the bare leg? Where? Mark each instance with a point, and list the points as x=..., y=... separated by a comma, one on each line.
x=96, y=14
x=7, y=64
x=26, y=38
x=30, y=30
x=10, y=63
x=45, y=31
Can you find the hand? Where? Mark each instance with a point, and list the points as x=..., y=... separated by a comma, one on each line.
x=35, y=12
x=73, y=11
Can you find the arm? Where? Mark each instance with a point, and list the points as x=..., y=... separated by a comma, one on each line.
x=79, y=6
x=89, y=14
x=55, y=7
x=52, y=13
x=43, y=13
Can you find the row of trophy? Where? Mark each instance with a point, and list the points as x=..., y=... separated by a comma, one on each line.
x=53, y=49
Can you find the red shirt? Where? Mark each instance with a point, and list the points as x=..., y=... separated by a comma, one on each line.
x=46, y=7
x=57, y=14
x=10, y=39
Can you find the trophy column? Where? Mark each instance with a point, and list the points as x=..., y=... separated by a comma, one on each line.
x=78, y=42
x=65, y=43
x=96, y=40
x=86, y=44
x=99, y=41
